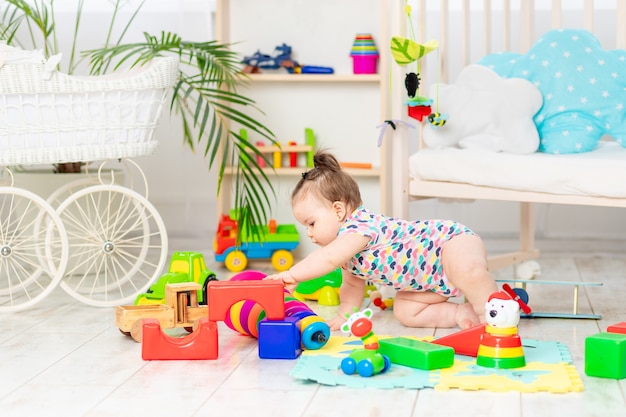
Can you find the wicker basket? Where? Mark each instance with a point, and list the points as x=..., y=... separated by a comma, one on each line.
x=48, y=118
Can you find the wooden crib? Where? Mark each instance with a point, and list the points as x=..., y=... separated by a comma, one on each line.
x=496, y=25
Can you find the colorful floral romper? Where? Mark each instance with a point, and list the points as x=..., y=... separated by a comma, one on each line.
x=402, y=254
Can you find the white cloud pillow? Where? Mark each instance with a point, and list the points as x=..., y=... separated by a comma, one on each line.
x=485, y=111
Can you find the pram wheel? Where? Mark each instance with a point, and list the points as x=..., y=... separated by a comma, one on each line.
x=33, y=249
x=117, y=245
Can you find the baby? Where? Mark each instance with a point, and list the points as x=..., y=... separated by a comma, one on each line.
x=426, y=262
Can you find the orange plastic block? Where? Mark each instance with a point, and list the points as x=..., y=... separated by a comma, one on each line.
x=617, y=328
x=221, y=295
x=464, y=342
x=201, y=344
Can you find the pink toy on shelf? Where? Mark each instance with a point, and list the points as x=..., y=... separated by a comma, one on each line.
x=259, y=159
x=364, y=54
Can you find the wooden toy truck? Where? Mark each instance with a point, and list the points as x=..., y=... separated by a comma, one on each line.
x=181, y=309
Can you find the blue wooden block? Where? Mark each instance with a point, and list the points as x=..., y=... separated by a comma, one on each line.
x=279, y=339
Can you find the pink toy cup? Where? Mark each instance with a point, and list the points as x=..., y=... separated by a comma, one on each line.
x=364, y=54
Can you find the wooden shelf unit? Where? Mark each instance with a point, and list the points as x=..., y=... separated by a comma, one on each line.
x=343, y=82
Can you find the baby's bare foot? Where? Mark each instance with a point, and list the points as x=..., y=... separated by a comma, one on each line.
x=466, y=317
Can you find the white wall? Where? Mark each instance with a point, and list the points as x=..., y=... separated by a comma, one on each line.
x=183, y=190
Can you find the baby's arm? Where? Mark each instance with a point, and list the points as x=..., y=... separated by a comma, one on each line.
x=351, y=293
x=323, y=260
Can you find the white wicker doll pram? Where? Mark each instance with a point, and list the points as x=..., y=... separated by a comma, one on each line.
x=103, y=243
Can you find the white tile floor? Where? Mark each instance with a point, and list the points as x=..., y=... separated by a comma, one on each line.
x=64, y=358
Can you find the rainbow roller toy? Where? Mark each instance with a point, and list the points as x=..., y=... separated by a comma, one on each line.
x=244, y=316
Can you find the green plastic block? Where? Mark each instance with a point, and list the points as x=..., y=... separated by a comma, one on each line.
x=416, y=353
x=605, y=355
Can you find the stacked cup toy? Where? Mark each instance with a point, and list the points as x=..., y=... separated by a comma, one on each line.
x=364, y=54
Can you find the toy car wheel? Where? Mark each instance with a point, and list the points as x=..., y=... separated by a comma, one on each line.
x=348, y=366
x=282, y=260
x=365, y=368
x=205, y=287
x=387, y=364
x=236, y=261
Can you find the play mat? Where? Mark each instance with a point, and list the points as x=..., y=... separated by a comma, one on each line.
x=548, y=368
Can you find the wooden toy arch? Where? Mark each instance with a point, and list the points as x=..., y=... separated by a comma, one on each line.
x=221, y=295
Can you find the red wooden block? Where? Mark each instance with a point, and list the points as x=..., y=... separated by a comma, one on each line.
x=464, y=342
x=221, y=295
x=617, y=328
x=201, y=344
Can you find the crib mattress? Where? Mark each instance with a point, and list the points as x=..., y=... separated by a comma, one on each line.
x=597, y=173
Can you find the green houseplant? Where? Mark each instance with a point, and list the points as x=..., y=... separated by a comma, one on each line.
x=205, y=95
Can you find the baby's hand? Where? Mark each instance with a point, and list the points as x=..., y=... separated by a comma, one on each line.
x=336, y=323
x=284, y=277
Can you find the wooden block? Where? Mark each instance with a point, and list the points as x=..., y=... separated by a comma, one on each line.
x=464, y=342
x=605, y=355
x=617, y=328
x=223, y=294
x=201, y=344
x=416, y=353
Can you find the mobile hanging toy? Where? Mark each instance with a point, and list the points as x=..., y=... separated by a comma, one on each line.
x=407, y=51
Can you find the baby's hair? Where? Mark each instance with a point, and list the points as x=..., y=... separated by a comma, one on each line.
x=329, y=181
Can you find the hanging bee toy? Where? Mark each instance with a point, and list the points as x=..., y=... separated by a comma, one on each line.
x=437, y=119
x=412, y=83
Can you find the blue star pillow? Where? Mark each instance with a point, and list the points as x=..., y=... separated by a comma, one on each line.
x=583, y=88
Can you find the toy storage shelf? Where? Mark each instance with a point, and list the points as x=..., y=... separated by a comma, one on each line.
x=345, y=110
x=315, y=78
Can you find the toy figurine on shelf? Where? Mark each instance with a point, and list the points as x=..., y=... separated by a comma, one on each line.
x=366, y=361
x=282, y=59
x=501, y=346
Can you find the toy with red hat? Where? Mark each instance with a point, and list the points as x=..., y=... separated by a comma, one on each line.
x=500, y=345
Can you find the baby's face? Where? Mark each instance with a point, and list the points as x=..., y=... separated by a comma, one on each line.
x=319, y=217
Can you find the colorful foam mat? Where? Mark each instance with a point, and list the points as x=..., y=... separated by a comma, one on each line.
x=548, y=368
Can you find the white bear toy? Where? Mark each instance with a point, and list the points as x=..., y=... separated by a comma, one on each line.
x=501, y=310
x=486, y=111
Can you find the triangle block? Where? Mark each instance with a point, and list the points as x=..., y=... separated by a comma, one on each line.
x=464, y=342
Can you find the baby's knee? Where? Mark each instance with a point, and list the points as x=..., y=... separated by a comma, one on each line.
x=472, y=271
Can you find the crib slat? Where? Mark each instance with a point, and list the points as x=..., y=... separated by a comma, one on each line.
x=556, y=17
x=487, y=27
x=506, y=24
x=466, y=29
x=527, y=27
x=620, y=31
x=443, y=39
x=588, y=15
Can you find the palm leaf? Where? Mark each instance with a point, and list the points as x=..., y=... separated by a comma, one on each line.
x=206, y=98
